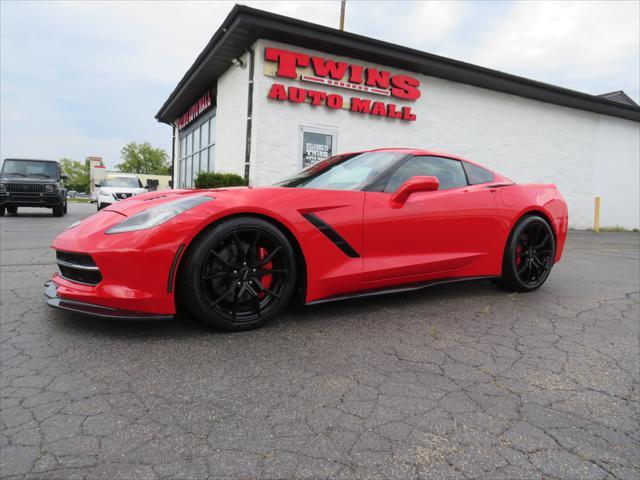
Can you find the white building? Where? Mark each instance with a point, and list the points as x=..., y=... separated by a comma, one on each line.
x=270, y=94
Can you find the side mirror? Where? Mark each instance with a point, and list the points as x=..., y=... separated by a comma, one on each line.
x=413, y=185
x=96, y=185
x=63, y=176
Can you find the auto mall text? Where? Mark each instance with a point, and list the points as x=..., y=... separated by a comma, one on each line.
x=332, y=73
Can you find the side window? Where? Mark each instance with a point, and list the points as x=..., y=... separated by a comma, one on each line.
x=477, y=174
x=449, y=172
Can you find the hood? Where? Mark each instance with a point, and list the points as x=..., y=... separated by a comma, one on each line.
x=137, y=203
x=9, y=179
x=228, y=197
x=121, y=189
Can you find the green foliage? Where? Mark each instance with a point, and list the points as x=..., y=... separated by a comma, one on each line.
x=78, y=173
x=143, y=158
x=617, y=228
x=218, y=180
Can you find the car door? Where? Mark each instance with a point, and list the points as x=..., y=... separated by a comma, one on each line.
x=450, y=232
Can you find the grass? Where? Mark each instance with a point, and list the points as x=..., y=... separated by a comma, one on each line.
x=78, y=200
x=615, y=228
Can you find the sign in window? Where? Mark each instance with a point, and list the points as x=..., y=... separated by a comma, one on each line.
x=316, y=146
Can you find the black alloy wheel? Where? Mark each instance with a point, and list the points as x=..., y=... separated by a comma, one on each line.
x=529, y=255
x=239, y=275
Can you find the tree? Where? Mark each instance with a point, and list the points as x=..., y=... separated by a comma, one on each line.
x=77, y=173
x=143, y=158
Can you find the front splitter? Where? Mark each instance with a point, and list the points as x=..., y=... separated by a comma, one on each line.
x=53, y=300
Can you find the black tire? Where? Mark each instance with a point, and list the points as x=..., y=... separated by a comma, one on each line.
x=528, y=256
x=65, y=207
x=239, y=274
x=13, y=210
x=58, y=210
x=100, y=206
x=1, y=211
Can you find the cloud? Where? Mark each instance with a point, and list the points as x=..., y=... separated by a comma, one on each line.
x=588, y=46
x=84, y=78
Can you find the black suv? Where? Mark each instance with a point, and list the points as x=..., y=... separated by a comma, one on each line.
x=32, y=183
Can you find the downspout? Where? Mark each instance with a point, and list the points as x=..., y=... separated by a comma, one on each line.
x=247, y=154
x=173, y=155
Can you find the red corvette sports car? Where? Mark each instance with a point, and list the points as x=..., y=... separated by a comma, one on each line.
x=353, y=225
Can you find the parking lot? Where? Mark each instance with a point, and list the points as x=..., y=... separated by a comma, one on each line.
x=462, y=381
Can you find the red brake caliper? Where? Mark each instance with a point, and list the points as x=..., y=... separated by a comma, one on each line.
x=267, y=279
x=518, y=252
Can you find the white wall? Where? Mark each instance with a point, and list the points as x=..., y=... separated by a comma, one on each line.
x=618, y=172
x=526, y=140
x=231, y=119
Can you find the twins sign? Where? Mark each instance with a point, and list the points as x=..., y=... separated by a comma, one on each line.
x=352, y=77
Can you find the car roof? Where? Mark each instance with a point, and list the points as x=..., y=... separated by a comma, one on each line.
x=432, y=153
x=420, y=151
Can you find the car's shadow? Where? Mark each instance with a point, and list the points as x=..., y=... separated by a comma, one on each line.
x=185, y=325
x=45, y=213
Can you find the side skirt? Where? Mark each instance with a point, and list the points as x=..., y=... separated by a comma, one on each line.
x=399, y=289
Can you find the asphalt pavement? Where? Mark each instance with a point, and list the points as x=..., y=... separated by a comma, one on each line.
x=459, y=381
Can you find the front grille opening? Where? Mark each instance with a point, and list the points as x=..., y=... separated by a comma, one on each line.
x=76, y=258
x=25, y=187
x=90, y=277
x=78, y=267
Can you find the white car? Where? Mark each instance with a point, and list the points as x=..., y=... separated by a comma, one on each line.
x=116, y=187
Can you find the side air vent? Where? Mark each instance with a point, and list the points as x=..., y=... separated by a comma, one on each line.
x=331, y=234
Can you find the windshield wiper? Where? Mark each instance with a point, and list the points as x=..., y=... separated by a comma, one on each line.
x=41, y=174
x=16, y=174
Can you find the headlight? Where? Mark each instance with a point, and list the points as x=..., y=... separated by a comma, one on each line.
x=157, y=215
x=3, y=187
x=49, y=188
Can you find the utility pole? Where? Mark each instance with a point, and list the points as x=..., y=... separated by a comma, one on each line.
x=343, y=3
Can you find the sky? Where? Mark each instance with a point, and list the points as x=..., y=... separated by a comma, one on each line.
x=85, y=78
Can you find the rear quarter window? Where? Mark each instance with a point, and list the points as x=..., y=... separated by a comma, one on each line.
x=477, y=174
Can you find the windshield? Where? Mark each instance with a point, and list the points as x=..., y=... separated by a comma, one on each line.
x=30, y=168
x=122, y=182
x=344, y=172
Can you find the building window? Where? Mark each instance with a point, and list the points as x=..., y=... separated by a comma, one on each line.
x=316, y=144
x=197, y=142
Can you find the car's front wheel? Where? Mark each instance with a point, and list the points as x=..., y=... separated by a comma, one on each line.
x=12, y=210
x=239, y=274
x=58, y=210
x=529, y=255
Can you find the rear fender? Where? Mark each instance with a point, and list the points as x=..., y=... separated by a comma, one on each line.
x=517, y=201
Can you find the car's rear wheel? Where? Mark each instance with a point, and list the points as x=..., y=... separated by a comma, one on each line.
x=12, y=210
x=238, y=275
x=529, y=255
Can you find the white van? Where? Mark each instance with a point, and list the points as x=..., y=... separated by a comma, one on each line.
x=117, y=186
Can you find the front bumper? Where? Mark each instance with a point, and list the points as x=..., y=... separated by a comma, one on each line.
x=53, y=300
x=29, y=199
